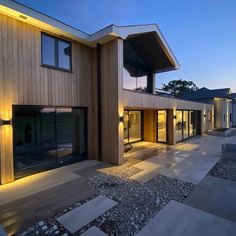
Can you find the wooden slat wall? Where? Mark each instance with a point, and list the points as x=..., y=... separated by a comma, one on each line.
x=24, y=81
x=111, y=90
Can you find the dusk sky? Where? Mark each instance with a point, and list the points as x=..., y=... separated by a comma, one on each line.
x=202, y=33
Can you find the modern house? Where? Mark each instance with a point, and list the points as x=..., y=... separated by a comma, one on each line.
x=66, y=96
x=224, y=102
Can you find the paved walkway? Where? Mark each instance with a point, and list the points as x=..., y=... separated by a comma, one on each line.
x=77, y=218
x=189, y=161
x=177, y=219
x=93, y=231
x=216, y=196
x=39, y=182
x=33, y=198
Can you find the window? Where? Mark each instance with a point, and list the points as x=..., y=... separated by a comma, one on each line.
x=187, y=124
x=48, y=137
x=132, y=126
x=209, y=116
x=56, y=53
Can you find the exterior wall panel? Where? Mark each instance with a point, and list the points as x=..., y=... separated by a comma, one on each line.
x=111, y=93
x=137, y=100
x=24, y=81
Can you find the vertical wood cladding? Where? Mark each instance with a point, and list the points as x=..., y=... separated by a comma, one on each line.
x=24, y=81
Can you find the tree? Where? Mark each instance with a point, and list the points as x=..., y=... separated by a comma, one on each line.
x=178, y=87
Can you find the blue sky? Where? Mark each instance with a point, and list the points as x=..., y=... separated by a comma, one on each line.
x=202, y=33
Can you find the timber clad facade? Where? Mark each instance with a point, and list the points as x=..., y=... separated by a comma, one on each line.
x=51, y=117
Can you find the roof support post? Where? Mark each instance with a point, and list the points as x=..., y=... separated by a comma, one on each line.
x=151, y=83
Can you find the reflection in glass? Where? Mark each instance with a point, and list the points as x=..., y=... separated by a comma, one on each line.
x=132, y=126
x=64, y=54
x=191, y=123
x=162, y=118
x=133, y=83
x=185, y=124
x=126, y=126
x=45, y=137
x=48, y=50
x=179, y=126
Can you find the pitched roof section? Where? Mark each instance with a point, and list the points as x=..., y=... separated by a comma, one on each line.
x=205, y=93
x=104, y=35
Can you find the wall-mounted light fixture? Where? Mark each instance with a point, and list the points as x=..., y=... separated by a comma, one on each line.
x=121, y=119
x=204, y=115
x=175, y=117
x=22, y=17
x=5, y=122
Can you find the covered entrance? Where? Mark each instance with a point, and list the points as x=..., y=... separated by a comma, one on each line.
x=47, y=137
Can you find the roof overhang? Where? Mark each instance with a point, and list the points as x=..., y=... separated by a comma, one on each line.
x=33, y=17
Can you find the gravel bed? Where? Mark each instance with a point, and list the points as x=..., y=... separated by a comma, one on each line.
x=137, y=203
x=221, y=170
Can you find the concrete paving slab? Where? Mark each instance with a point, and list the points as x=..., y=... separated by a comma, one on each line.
x=178, y=219
x=39, y=182
x=216, y=196
x=189, y=161
x=93, y=231
x=22, y=213
x=80, y=216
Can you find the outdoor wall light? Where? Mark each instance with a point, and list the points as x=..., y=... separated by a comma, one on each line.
x=121, y=119
x=175, y=117
x=6, y=122
x=204, y=115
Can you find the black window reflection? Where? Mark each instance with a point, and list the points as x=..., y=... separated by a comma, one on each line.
x=48, y=51
x=46, y=137
x=56, y=53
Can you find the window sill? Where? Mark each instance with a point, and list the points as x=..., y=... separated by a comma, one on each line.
x=56, y=68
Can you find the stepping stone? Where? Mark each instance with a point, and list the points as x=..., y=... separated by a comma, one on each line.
x=80, y=216
x=178, y=219
x=93, y=231
x=2, y=231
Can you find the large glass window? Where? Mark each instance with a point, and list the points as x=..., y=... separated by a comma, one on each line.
x=47, y=137
x=56, y=53
x=179, y=126
x=135, y=69
x=48, y=50
x=134, y=83
x=187, y=124
x=162, y=127
x=191, y=124
x=132, y=126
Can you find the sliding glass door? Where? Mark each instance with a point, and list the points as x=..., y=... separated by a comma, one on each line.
x=132, y=126
x=162, y=126
x=46, y=137
x=179, y=126
x=187, y=124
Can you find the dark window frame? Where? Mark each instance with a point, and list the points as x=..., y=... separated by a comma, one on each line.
x=196, y=131
x=142, y=125
x=18, y=173
x=167, y=127
x=56, y=48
